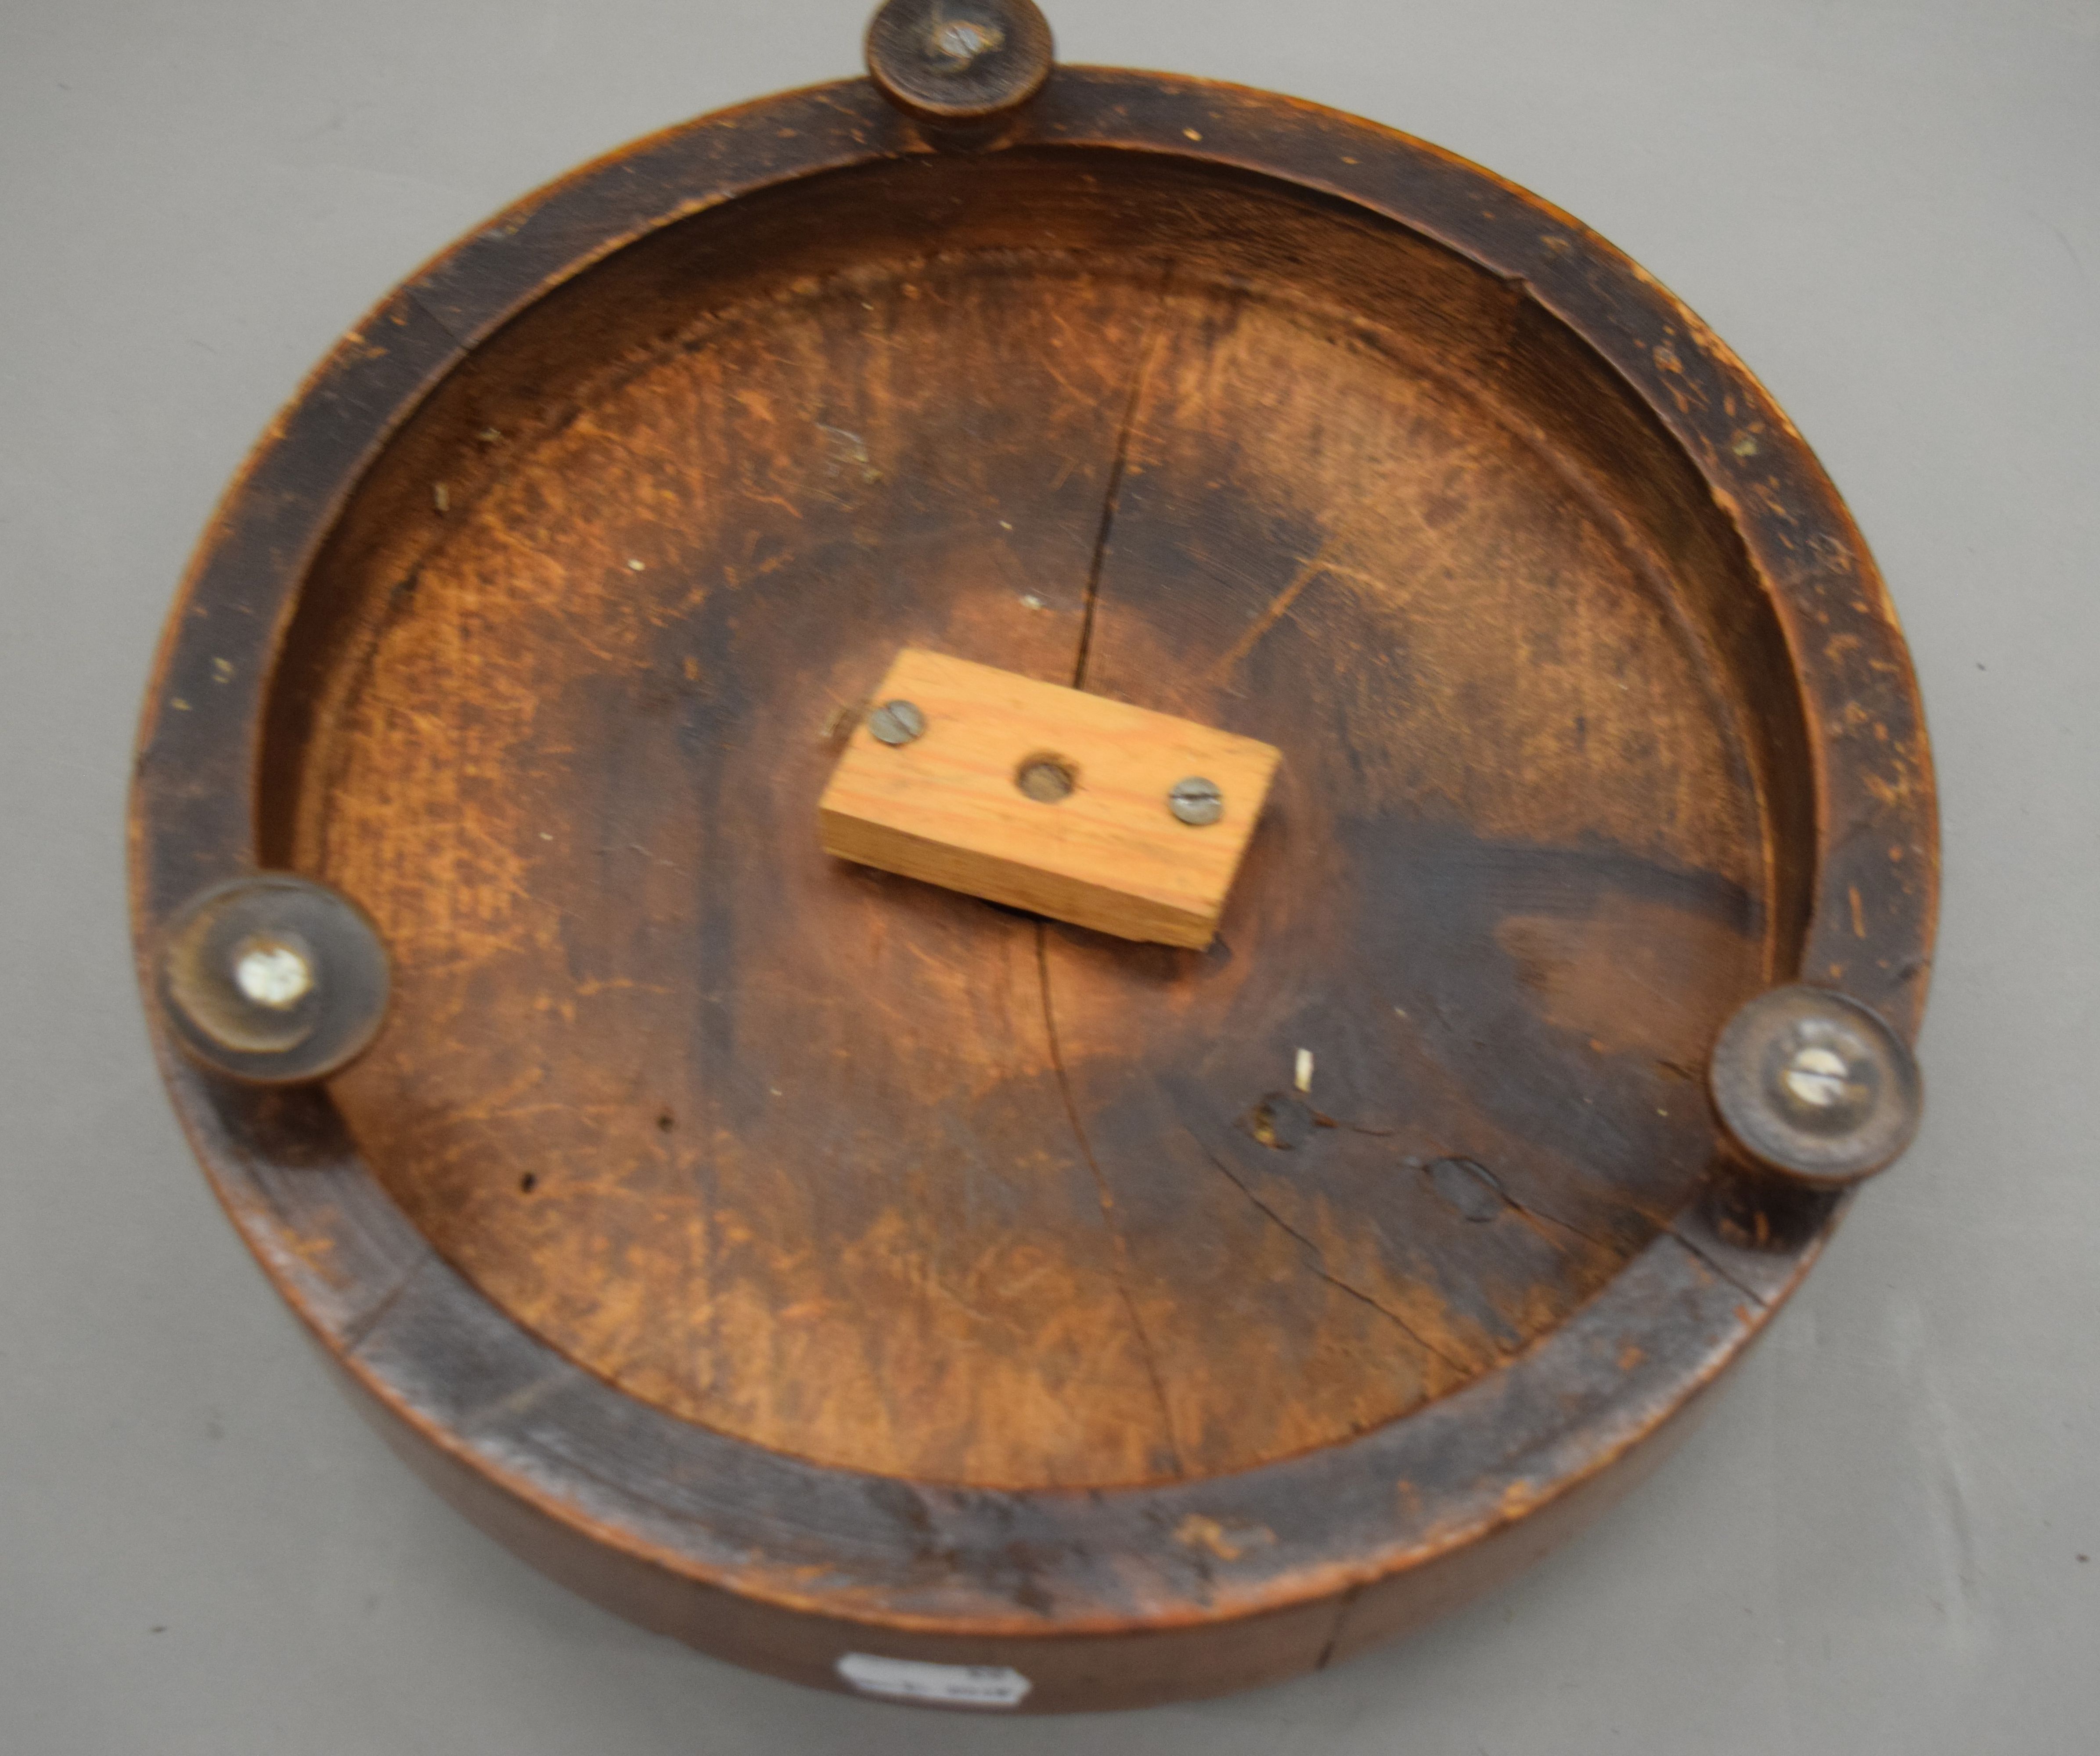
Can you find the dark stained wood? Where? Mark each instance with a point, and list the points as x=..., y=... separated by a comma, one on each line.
x=1510, y=886
x=748, y=1084
x=769, y=1248
x=662, y=1157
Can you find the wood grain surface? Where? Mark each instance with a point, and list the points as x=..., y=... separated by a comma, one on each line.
x=1101, y=849
x=767, y=1249
x=895, y=1179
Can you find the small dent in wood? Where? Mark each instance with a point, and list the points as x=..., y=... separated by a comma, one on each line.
x=1284, y=1121
x=1228, y=1539
x=1468, y=1187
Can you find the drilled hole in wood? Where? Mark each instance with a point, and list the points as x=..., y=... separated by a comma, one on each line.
x=1046, y=778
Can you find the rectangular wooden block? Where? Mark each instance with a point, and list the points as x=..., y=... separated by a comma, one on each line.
x=949, y=807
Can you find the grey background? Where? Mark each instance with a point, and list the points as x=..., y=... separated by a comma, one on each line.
x=1877, y=1543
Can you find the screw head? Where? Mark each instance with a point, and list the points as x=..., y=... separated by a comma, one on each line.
x=1196, y=801
x=962, y=40
x=273, y=979
x=896, y=722
x=1813, y=1084
x=271, y=972
x=1817, y=1077
x=959, y=63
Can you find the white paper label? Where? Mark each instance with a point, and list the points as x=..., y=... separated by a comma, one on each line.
x=906, y=1680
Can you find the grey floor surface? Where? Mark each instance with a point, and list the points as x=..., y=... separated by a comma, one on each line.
x=1879, y=1543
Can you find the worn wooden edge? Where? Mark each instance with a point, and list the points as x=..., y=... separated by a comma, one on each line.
x=1072, y=1667
x=463, y=1382
x=1068, y=1672
x=330, y=1238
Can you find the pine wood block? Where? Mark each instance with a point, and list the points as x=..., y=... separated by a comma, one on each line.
x=949, y=807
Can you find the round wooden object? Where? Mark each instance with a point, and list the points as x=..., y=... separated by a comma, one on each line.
x=837, y=1272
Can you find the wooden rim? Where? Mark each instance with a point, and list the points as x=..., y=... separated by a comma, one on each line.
x=971, y=1564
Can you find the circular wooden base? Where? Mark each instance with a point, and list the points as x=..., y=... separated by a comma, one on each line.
x=813, y=1263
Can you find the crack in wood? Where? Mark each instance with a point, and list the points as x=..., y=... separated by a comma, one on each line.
x=1148, y=353
x=1749, y=1293
x=1119, y=1249
x=1342, y=1607
x=354, y=1334
x=1319, y=1261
